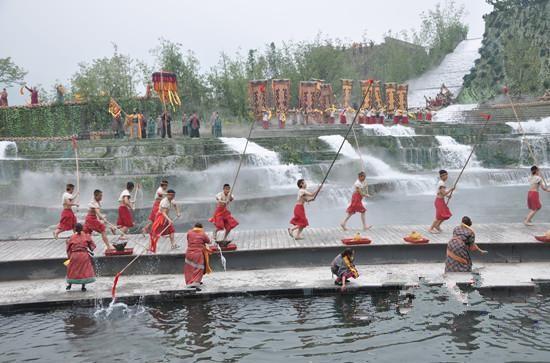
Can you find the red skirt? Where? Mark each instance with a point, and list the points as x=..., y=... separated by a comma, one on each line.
x=343, y=119
x=193, y=270
x=533, y=200
x=442, y=212
x=356, y=205
x=154, y=211
x=67, y=221
x=80, y=269
x=160, y=227
x=125, y=218
x=299, y=219
x=223, y=219
x=92, y=224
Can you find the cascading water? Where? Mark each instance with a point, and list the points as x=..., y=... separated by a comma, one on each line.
x=259, y=156
x=532, y=126
x=454, y=113
x=396, y=130
x=453, y=155
x=7, y=149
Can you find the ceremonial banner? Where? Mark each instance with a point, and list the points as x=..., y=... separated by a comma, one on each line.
x=114, y=108
x=402, y=93
x=257, y=93
x=309, y=91
x=347, y=87
x=378, y=103
x=326, y=100
x=390, y=97
x=368, y=91
x=166, y=86
x=281, y=95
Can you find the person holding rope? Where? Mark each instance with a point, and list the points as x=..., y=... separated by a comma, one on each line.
x=197, y=257
x=68, y=219
x=94, y=221
x=533, y=198
x=163, y=224
x=125, y=219
x=299, y=220
x=222, y=218
x=159, y=195
x=442, y=212
x=80, y=269
x=356, y=206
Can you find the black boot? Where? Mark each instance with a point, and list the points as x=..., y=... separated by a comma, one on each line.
x=83, y=287
x=68, y=287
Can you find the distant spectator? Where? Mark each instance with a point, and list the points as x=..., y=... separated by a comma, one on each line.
x=159, y=125
x=34, y=95
x=60, y=94
x=166, y=125
x=151, y=127
x=4, y=98
x=117, y=127
x=212, y=120
x=217, y=126
x=184, y=128
x=195, y=126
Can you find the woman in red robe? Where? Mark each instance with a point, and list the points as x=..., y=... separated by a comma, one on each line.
x=196, y=257
x=80, y=269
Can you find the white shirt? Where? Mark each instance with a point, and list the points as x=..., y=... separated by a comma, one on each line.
x=160, y=193
x=440, y=184
x=534, y=180
x=362, y=185
x=167, y=204
x=67, y=198
x=221, y=197
x=94, y=204
x=125, y=193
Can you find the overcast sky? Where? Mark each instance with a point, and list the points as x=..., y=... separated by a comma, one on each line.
x=50, y=37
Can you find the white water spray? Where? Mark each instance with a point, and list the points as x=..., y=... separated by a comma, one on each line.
x=454, y=113
x=395, y=130
x=7, y=148
x=532, y=126
x=260, y=156
x=453, y=155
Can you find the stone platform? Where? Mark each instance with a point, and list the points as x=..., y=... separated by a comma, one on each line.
x=32, y=259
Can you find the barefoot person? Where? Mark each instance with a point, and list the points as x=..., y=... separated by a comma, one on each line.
x=533, y=198
x=196, y=257
x=222, y=218
x=164, y=225
x=342, y=266
x=459, y=247
x=125, y=219
x=356, y=206
x=159, y=195
x=94, y=221
x=80, y=269
x=68, y=219
x=299, y=220
x=442, y=212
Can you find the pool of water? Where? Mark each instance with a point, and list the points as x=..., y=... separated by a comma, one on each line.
x=385, y=327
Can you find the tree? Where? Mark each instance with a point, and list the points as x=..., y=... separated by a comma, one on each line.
x=10, y=72
x=115, y=76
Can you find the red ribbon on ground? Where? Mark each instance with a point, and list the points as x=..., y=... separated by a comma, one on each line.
x=115, y=282
x=486, y=116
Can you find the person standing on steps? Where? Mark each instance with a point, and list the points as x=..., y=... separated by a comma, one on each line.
x=442, y=212
x=356, y=206
x=299, y=220
x=80, y=269
x=166, y=125
x=68, y=219
x=533, y=197
x=195, y=125
x=184, y=128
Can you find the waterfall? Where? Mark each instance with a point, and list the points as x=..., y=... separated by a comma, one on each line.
x=453, y=155
x=454, y=113
x=539, y=146
x=396, y=130
x=259, y=156
x=532, y=126
x=334, y=141
x=450, y=71
x=7, y=149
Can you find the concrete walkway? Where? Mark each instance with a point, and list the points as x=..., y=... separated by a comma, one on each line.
x=22, y=295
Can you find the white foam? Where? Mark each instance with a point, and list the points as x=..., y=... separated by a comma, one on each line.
x=5, y=145
x=334, y=141
x=260, y=155
x=531, y=126
x=395, y=130
x=453, y=113
x=453, y=155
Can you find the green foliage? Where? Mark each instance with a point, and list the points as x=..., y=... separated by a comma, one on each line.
x=10, y=72
x=116, y=76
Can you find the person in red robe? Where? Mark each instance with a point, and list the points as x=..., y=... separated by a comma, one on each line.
x=68, y=219
x=94, y=221
x=299, y=220
x=164, y=225
x=343, y=119
x=159, y=195
x=80, y=269
x=196, y=257
x=442, y=212
x=356, y=206
x=533, y=197
x=34, y=95
x=125, y=219
x=222, y=218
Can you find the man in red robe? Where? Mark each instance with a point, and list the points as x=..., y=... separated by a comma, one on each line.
x=196, y=257
x=125, y=219
x=222, y=218
x=164, y=225
x=80, y=269
x=34, y=95
x=68, y=219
